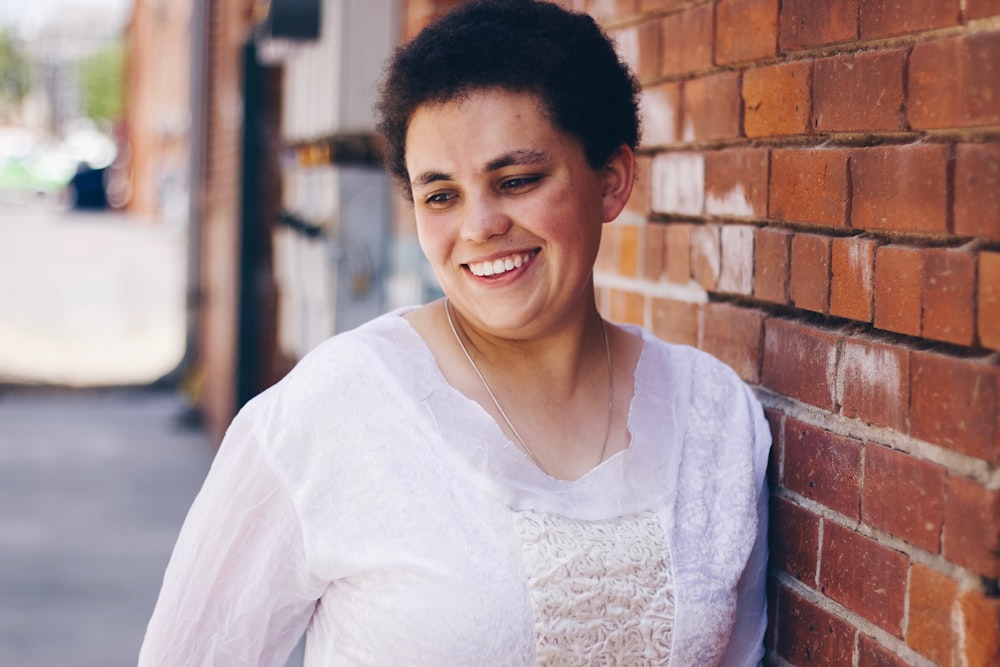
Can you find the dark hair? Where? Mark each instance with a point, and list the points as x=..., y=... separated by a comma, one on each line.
x=529, y=46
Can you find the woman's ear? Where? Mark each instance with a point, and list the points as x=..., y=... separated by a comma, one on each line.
x=619, y=177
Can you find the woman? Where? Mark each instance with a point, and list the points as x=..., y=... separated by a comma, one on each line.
x=500, y=477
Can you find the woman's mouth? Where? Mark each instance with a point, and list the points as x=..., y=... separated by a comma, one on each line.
x=501, y=265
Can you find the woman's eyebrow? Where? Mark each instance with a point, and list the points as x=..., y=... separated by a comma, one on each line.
x=517, y=158
x=429, y=177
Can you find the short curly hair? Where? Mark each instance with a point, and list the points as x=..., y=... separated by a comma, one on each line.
x=531, y=46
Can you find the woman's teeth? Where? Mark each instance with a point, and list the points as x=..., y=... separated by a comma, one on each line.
x=499, y=266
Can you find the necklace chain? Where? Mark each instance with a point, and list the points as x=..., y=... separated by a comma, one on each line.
x=486, y=385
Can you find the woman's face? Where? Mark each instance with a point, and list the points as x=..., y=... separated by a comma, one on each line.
x=508, y=211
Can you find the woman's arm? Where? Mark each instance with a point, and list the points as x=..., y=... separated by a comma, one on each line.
x=237, y=590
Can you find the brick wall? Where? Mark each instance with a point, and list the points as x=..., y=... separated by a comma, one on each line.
x=819, y=207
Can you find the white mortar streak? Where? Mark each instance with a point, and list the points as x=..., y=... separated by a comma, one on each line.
x=690, y=293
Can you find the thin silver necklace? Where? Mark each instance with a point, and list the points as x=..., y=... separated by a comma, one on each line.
x=486, y=385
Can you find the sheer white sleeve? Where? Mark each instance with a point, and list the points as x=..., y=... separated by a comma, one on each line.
x=238, y=590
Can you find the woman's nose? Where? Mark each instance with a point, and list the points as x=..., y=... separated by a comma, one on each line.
x=484, y=219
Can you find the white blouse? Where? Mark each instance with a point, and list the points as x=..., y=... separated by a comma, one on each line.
x=367, y=502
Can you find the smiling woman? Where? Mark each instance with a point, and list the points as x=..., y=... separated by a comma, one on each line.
x=501, y=477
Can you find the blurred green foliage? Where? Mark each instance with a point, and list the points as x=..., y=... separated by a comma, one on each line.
x=15, y=72
x=101, y=83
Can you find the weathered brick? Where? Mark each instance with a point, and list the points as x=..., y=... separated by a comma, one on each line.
x=657, y=5
x=607, y=254
x=712, y=107
x=628, y=250
x=706, y=255
x=675, y=321
x=980, y=9
x=954, y=403
x=863, y=91
x=771, y=264
x=611, y=10
x=678, y=255
x=898, y=285
x=977, y=190
x=686, y=41
x=887, y=18
x=745, y=30
x=809, y=186
x=640, y=202
x=972, y=526
x=809, y=285
x=980, y=629
x=876, y=383
x=932, y=600
x=654, y=246
x=823, y=466
x=736, y=183
x=794, y=540
x=661, y=108
x=903, y=496
x=678, y=183
x=805, y=23
x=953, y=82
x=948, y=295
x=648, y=37
x=800, y=362
x=864, y=576
x=627, y=307
x=873, y=654
x=901, y=188
x=988, y=319
x=736, y=274
x=810, y=636
x=853, y=278
x=734, y=335
x=776, y=100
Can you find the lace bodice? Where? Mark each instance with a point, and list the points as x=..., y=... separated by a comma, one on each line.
x=366, y=500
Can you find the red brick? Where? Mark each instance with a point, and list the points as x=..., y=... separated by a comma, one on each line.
x=932, y=600
x=954, y=403
x=686, y=41
x=628, y=250
x=953, y=82
x=736, y=183
x=776, y=100
x=903, y=496
x=949, y=294
x=661, y=108
x=654, y=245
x=800, y=362
x=809, y=186
x=639, y=45
x=712, y=107
x=980, y=629
x=734, y=335
x=901, y=188
x=611, y=10
x=864, y=576
x=898, y=285
x=823, y=466
x=794, y=540
x=806, y=23
x=979, y=9
x=771, y=264
x=977, y=190
x=736, y=275
x=972, y=526
x=853, y=278
x=989, y=300
x=678, y=255
x=807, y=635
x=863, y=91
x=873, y=654
x=675, y=321
x=640, y=201
x=809, y=285
x=706, y=255
x=627, y=307
x=607, y=254
x=876, y=383
x=887, y=18
x=657, y=5
x=745, y=30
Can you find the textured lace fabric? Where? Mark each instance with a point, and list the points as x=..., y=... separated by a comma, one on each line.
x=601, y=590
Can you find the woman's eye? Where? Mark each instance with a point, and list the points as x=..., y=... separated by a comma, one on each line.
x=438, y=199
x=519, y=182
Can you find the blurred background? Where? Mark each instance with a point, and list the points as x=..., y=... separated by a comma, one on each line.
x=191, y=198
